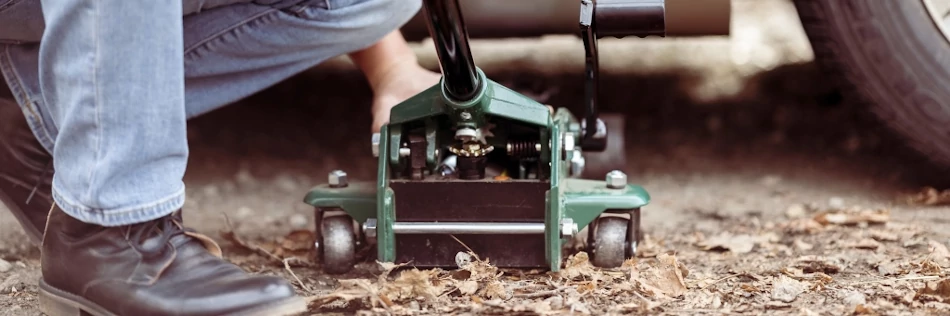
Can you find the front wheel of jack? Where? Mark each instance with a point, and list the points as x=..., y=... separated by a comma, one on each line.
x=610, y=242
x=339, y=244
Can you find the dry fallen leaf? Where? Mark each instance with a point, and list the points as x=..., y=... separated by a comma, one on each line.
x=812, y=264
x=577, y=265
x=786, y=289
x=930, y=197
x=934, y=291
x=802, y=226
x=939, y=253
x=667, y=276
x=415, y=283
x=737, y=244
x=866, y=243
x=853, y=216
x=467, y=287
x=860, y=309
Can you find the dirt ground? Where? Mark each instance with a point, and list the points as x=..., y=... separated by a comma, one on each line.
x=772, y=193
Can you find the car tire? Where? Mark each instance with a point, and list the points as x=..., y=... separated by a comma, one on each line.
x=892, y=56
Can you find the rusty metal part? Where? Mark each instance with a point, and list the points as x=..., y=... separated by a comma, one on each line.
x=530, y=18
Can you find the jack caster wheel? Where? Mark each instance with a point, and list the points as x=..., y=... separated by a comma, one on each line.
x=339, y=244
x=610, y=246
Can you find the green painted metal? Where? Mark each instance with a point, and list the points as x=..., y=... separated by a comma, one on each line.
x=358, y=199
x=552, y=218
x=492, y=99
x=580, y=200
x=585, y=200
x=385, y=238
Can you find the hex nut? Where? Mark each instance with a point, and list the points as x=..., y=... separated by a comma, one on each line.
x=337, y=179
x=616, y=180
x=568, y=227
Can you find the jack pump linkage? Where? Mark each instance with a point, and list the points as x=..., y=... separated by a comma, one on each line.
x=615, y=18
x=598, y=19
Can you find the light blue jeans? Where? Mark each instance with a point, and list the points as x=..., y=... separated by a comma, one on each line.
x=108, y=85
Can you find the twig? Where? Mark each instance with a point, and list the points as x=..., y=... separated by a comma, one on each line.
x=928, y=277
x=695, y=311
x=291, y=271
x=539, y=294
x=466, y=247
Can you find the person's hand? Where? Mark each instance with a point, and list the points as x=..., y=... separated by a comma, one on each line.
x=393, y=72
x=399, y=83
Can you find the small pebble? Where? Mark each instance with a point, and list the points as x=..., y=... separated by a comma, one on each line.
x=854, y=298
x=5, y=266
x=462, y=259
x=298, y=221
x=796, y=211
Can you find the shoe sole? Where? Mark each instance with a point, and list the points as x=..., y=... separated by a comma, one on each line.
x=35, y=236
x=55, y=302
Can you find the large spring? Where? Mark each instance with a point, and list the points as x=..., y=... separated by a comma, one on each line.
x=523, y=149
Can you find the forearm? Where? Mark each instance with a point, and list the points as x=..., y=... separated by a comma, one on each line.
x=378, y=60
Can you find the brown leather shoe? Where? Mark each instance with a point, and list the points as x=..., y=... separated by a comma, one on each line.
x=154, y=268
x=26, y=172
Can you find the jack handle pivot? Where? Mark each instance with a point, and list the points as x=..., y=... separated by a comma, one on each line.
x=616, y=18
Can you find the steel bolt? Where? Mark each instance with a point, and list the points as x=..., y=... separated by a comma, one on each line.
x=337, y=179
x=616, y=179
x=369, y=228
x=577, y=164
x=466, y=116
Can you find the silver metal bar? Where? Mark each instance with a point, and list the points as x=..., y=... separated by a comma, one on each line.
x=467, y=228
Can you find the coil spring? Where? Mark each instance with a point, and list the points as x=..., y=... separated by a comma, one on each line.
x=523, y=149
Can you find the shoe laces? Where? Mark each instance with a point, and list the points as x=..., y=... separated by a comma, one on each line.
x=168, y=227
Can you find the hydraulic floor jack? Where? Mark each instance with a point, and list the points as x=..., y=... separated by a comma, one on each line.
x=471, y=159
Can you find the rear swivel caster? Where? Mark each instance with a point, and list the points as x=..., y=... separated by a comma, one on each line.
x=337, y=241
x=613, y=239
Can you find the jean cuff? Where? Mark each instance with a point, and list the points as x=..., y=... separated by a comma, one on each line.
x=126, y=216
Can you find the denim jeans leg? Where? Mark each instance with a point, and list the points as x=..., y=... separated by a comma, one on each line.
x=112, y=81
x=231, y=50
x=235, y=51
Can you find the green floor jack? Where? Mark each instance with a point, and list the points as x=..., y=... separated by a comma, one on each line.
x=469, y=161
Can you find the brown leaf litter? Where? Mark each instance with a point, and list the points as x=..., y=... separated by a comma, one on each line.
x=853, y=216
x=480, y=286
x=929, y=196
x=852, y=261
